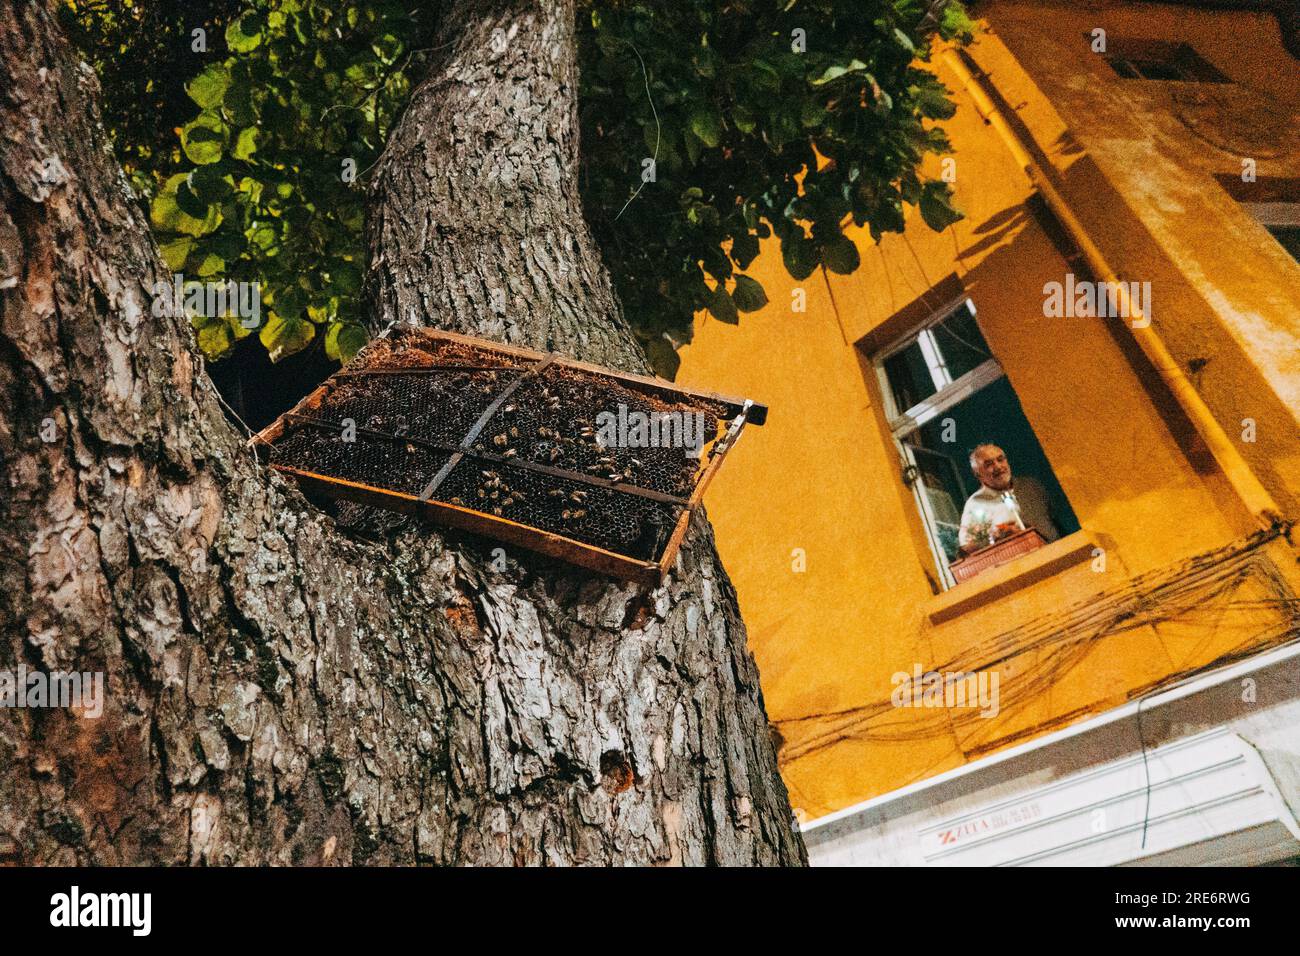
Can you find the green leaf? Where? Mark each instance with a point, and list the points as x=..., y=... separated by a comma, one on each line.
x=692, y=147
x=175, y=252
x=243, y=35
x=284, y=337
x=706, y=62
x=237, y=327
x=343, y=340
x=345, y=278
x=245, y=144
x=707, y=126
x=812, y=114
x=204, y=138
x=388, y=48
x=167, y=216
x=748, y=294
x=835, y=71
x=663, y=357
x=935, y=205
x=215, y=339
x=723, y=306
x=209, y=87
x=253, y=188
x=800, y=254
x=766, y=77
x=189, y=203
x=744, y=249
x=841, y=256
x=209, y=184
x=932, y=101
x=904, y=40
x=210, y=265
x=238, y=102
x=744, y=120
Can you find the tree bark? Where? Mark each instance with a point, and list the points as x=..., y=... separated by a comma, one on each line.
x=277, y=690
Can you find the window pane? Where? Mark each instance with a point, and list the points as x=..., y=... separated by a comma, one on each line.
x=959, y=339
x=937, y=357
x=939, y=480
x=909, y=377
x=1289, y=236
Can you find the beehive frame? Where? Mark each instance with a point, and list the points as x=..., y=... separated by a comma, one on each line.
x=505, y=370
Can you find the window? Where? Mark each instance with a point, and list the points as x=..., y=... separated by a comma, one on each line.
x=1272, y=202
x=1282, y=220
x=1289, y=237
x=1158, y=60
x=944, y=393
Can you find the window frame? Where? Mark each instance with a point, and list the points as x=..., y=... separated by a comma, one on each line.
x=903, y=422
x=1271, y=201
x=1175, y=56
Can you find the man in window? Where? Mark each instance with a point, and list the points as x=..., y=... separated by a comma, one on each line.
x=1003, y=505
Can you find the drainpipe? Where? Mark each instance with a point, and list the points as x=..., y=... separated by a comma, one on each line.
x=1252, y=493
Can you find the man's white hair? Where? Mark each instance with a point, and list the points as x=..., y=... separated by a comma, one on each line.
x=975, y=451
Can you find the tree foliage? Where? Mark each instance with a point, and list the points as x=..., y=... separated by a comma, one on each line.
x=707, y=127
x=761, y=119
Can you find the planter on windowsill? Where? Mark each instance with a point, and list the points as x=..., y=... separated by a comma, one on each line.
x=1022, y=542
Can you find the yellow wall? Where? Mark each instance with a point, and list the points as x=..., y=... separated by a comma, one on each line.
x=823, y=474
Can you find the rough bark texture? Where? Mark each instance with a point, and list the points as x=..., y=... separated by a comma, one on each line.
x=280, y=692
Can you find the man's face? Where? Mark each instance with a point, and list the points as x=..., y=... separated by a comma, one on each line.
x=992, y=469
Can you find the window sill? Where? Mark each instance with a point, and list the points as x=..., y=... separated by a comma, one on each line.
x=1015, y=574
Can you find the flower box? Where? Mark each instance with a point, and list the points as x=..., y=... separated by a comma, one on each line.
x=1022, y=542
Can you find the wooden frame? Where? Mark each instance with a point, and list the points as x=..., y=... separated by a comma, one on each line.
x=552, y=544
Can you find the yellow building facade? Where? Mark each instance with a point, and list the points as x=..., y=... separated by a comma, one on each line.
x=1151, y=144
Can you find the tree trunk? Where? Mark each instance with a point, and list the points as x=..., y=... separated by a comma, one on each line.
x=276, y=690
